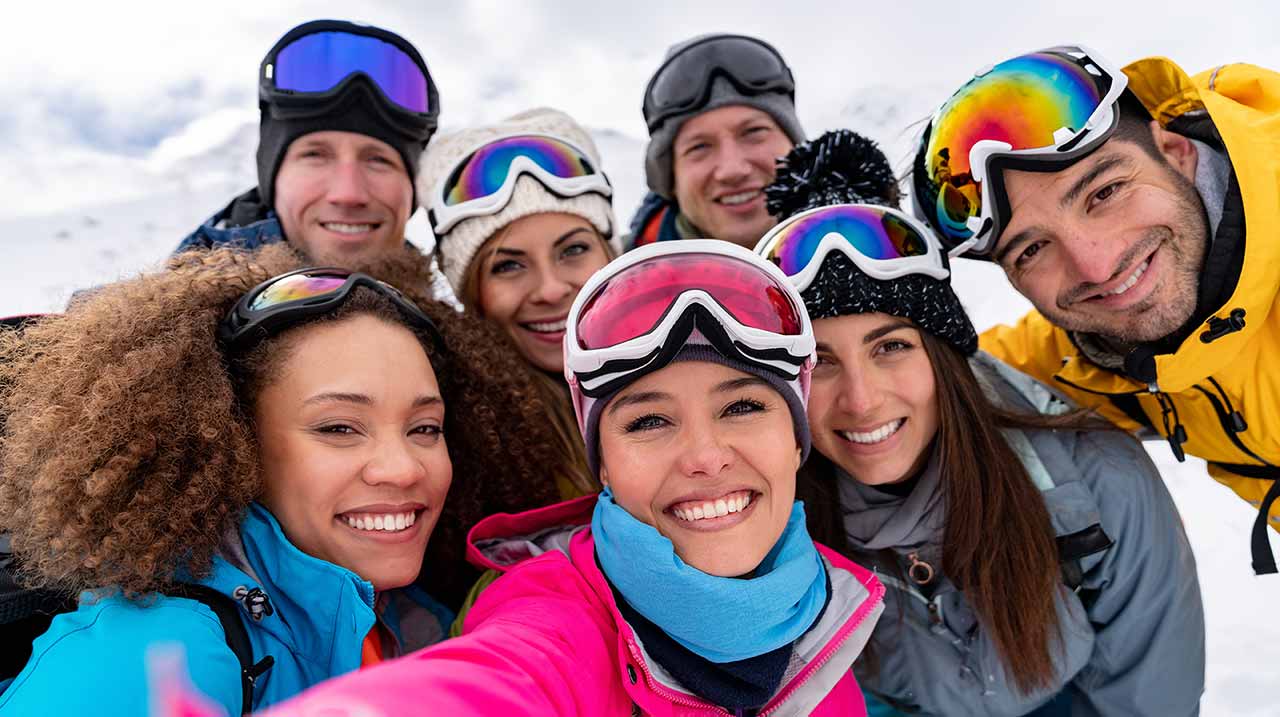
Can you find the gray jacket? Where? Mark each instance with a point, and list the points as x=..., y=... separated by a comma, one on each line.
x=1132, y=627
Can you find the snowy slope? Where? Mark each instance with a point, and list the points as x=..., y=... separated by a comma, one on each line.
x=44, y=258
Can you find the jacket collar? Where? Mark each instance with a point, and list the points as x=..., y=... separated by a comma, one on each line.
x=821, y=657
x=321, y=611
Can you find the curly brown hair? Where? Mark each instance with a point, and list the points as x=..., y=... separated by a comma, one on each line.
x=128, y=451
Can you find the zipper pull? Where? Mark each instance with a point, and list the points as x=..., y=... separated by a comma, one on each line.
x=1176, y=438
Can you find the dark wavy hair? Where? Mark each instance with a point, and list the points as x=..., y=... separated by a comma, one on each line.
x=128, y=450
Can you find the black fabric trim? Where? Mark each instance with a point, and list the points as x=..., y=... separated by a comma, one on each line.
x=227, y=610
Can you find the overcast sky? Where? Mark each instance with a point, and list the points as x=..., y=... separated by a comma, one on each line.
x=105, y=84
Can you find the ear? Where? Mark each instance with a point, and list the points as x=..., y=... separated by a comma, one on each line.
x=604, y=477
x=1177, y=150
x=798, y=454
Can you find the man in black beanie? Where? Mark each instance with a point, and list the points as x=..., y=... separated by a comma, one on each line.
x=720, y=111
x=346, y=112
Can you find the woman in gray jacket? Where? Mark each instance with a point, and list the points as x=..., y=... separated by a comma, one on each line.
x=1035, y=562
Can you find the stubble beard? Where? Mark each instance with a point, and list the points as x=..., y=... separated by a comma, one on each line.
x=1183, y=242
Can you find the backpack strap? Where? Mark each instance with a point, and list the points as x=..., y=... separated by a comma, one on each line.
x=227, y=610
x=1076, y=546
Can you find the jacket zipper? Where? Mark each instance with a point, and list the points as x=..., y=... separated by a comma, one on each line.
x=814, y=667
x=676, y=697
x=1225, y=419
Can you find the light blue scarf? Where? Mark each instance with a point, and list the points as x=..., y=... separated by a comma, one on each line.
x=720, y=619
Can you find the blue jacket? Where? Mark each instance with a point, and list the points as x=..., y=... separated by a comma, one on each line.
x=245, y=223
x=91, y=661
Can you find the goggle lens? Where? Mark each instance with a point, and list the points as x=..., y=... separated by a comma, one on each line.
x=872, y=233
x=485, y=172
x=634, y=302
x=297, y=287
x=1028, y=102
x=320, y=61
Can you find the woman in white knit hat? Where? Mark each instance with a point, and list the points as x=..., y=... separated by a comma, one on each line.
x=522, y=216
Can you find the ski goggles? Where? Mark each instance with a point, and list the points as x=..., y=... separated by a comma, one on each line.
x=634, y=315
x=483, y=180
x=683, y=82
x=882, y=242
x=311, y=66
x=288, y=299
x=1040, y=111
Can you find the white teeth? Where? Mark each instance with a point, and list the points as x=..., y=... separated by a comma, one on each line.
x=717, y=508
x=388, y=522
x=347, y=228
x=547, y=327
x=1133, y=279
x=875, y=436
x=742, y=198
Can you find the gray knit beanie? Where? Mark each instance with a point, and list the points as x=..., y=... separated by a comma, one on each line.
x=657, y=156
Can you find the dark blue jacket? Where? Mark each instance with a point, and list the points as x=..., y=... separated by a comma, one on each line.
x=245, y=223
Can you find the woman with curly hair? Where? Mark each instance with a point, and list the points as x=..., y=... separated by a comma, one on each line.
x=522, y=215
x=207, y=427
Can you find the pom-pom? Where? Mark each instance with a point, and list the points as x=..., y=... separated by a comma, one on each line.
x=840, y=167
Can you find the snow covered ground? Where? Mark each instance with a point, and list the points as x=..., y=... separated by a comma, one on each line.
x=44, y=258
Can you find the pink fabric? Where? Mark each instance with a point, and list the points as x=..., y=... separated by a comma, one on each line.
x=547, y=639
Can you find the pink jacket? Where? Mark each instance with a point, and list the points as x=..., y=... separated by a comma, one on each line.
x=547, y=639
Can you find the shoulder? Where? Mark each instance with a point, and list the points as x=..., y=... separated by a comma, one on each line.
x=101, y=648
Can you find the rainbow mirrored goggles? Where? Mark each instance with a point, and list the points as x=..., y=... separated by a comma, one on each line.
x=882, y=242
x=1042, y=111
x=309, y=70
x=288, y=299
x=483, y=180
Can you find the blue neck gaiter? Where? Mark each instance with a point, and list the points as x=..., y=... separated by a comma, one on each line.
x=719, y=619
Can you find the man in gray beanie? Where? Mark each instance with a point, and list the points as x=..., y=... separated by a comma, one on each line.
x=720, y=110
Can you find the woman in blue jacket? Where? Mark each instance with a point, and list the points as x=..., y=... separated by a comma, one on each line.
x=282, y=440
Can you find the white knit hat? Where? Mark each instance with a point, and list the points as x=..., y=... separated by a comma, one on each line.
x=458, y=246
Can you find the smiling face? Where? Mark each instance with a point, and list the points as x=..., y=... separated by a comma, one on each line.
x=873, y=406
x=528, y=275
x=707, y=455
x=343, y=197
x=1112, y=245
x=722, y=161
x=352, y=445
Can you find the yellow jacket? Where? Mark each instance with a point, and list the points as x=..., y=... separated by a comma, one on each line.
x=1243, y=102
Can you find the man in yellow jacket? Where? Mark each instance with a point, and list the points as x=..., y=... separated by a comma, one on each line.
x=1139, y=212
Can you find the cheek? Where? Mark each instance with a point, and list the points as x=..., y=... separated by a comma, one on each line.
x=634, y=475
x=500, y=299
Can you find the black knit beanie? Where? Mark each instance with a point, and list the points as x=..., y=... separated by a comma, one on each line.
x=356, y=112
x=843, y=167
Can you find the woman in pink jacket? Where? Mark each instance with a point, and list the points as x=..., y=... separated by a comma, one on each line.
x=691, y=585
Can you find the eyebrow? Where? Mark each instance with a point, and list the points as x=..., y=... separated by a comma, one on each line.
x=635, y=398
x=364, y=400
x=563, y=238
x=1103, y=166
x=735, y=384
x=1068, y=198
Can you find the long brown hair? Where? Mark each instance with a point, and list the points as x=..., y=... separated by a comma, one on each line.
x=572, y=465
x=998, y=544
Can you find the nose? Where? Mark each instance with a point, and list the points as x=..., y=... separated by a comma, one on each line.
x=554, y=286
x=347, y=184
x=1092, y=256
x=858, y=394
x=733, y=165
x=704, y=452
x=393, y=463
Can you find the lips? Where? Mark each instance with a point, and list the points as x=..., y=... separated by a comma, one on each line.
x=695, y=510
x=879, y=434
x=546, y=327
x=739, y=198
x=1122, y=286
x=350, y=228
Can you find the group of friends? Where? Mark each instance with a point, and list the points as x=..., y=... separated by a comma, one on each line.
x=750, y=457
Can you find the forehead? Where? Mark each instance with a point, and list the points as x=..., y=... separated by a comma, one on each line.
x=723, y=119
x=538, y=231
